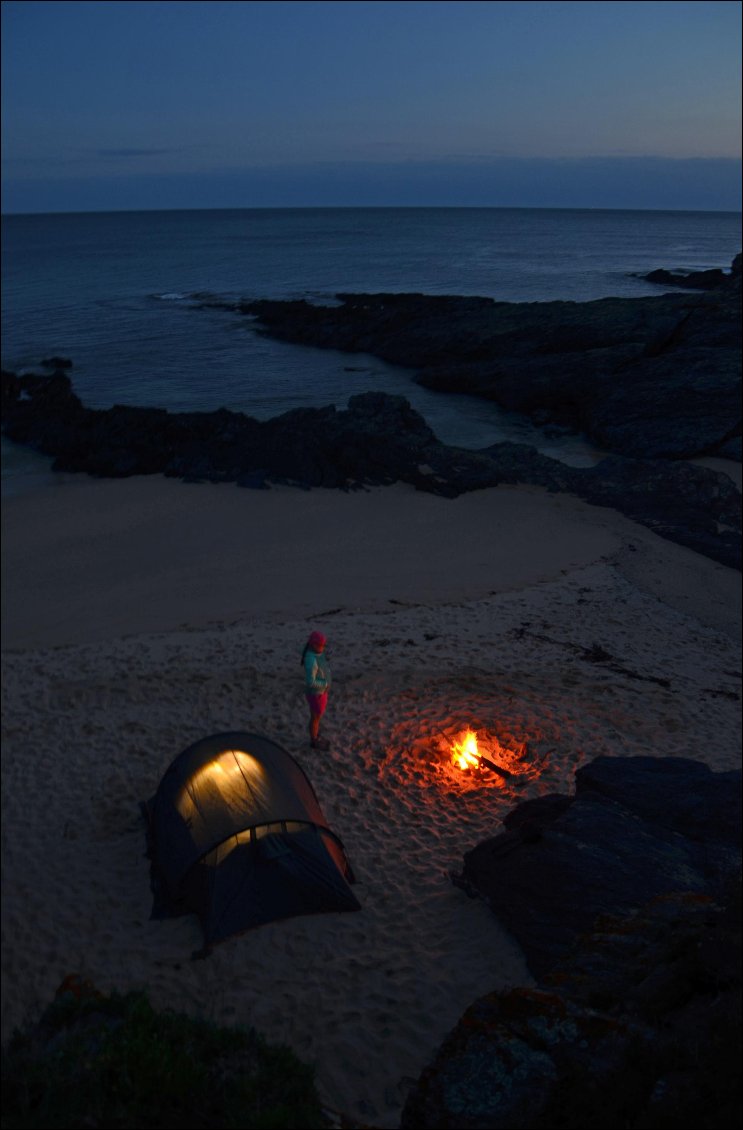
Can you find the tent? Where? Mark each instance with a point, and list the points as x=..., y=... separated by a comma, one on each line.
x=236, y=835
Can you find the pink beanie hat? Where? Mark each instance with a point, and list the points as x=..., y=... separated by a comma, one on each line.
x=317, y=639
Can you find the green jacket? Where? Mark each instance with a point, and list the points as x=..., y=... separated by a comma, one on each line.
x=316, y=671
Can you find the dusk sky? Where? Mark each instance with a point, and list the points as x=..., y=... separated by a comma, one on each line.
x=140, y=105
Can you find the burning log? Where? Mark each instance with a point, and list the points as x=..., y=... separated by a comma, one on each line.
x=486, y=763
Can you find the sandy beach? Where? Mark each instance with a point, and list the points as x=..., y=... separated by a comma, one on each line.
x=140, y=615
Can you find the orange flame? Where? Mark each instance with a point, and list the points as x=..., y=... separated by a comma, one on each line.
x=465, y=753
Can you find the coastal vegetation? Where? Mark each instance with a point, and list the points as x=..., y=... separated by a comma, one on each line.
x=114, y=1061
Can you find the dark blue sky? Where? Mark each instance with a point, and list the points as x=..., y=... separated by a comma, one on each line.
x=110, y=105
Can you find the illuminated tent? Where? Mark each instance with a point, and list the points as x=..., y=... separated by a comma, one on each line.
x=235, y=834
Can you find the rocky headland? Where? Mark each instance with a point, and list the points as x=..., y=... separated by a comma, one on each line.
x=655, y=381
x=649, y=378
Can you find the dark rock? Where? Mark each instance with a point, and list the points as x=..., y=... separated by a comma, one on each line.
x=635, y=1021
x=680, y=794
x=255, y=480
x=57, y=363
x=638, y=1028
x=508, y=1056
x=534, y=815
x=693, y=280
x=654, y=377
x=731, y=449
x=636, y=829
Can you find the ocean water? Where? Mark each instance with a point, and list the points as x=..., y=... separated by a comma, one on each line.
x=118, y=293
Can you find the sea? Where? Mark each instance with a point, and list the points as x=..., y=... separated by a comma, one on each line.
x=120, y=294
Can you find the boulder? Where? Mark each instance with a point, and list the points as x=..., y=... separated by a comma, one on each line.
x=637, y=828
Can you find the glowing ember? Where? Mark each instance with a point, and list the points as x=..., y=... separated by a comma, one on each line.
x=465, y=753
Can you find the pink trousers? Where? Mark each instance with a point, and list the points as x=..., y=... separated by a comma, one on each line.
x=317, y=702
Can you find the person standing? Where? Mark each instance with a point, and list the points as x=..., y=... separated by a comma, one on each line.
x=317, y=684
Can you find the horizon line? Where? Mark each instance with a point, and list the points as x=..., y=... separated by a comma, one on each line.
x=367, y=208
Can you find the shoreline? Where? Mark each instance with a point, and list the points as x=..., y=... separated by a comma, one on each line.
x=110, y=558
x=215, y=552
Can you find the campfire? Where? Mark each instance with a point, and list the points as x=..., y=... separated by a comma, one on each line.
x=488, y=753
x=466, y=754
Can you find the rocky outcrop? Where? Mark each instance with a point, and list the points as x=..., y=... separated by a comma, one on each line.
x=655, y=377
x=661, y=1049
x=378, y=440
x=681, y=501
x=56, y=363
x=688, y=280
x=656, y=380
x=637, y=828
x=629, y=914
